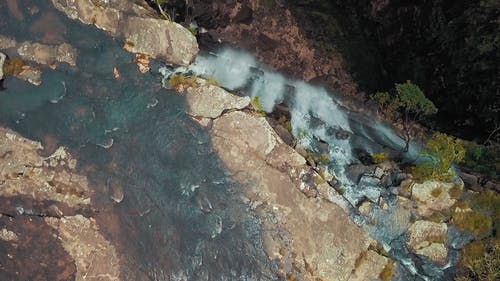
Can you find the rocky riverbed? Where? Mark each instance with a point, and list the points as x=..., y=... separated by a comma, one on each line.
x=135, y=182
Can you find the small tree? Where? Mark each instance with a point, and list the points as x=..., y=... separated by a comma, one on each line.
x=408, y=104
x=159, y=4
x=442, y=151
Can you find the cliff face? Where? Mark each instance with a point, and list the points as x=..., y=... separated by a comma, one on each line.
x=449, y=48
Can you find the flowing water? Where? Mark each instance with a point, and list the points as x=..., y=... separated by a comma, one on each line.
x=181, y=218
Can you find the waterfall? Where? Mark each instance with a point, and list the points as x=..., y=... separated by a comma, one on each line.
x=319, y=116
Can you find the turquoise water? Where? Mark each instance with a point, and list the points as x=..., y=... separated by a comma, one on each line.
x=181, y=218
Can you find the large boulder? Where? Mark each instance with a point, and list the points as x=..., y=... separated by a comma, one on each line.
x=429, y=239
x=138, y=25
x=209, y=101
x=435, y=196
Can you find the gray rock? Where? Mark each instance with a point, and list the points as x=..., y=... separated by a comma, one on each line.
x=47, y=54
x=160, y=38
x=210, y=101
x=428, y=239
x=434, y=196
x=322, y=232
x=7, y=42
x=2, y=61
x=470, y=181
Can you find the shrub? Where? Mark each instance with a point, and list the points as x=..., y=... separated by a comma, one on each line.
x=480, y=261
x=441, y=151
x=472, y=221
x=324, y=159
x=257, y=105
x=13, y=66
x=379, y=158
x=181, y=82
x=484, y=159
x=387, y=272
x=407, y=103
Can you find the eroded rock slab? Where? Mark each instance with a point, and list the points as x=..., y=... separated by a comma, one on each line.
x=24, y=172
x=95, y=257
x=48, y=54
x=311, y=237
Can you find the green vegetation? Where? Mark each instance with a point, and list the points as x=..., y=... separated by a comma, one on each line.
x=441, y=151
x=160, y=4
x=180, y=82
x=480, y=261
x=13, y=66
x=489, y=202
x=472, y=221
x=387, y=273
x=257, y=105
x=285, y=123
x=379, y=157
x=324, y=159
x=406, y=104
x=484, y=159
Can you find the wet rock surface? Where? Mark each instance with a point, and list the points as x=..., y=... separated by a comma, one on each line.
x=138, y=25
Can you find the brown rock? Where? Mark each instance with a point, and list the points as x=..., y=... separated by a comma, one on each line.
x=428, y=239
x=328, y=240
x=95, y=257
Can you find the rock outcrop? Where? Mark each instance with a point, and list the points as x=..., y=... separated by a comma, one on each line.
x=202, y=105
x=44, y=198
x=310, y=236
x=428, y=239
x=139, y=26
x=434, y=196
x=47, y=55
x=94, y=256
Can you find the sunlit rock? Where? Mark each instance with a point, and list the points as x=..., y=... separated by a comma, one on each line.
x=210, y=101
x=434, y=196
x=138, y=25
x=160, y=38
x=329, y=243
x=429, y=239
x=8, y=235
x=95, y=257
